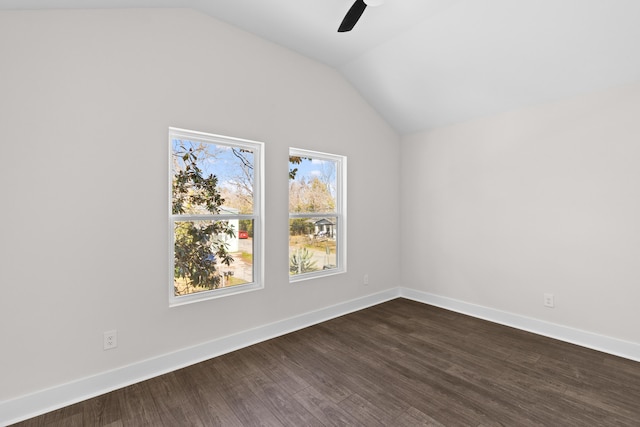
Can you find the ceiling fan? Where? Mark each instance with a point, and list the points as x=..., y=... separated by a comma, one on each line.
x=355, y=12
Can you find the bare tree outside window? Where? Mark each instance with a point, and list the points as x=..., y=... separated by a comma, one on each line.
x=316, y=214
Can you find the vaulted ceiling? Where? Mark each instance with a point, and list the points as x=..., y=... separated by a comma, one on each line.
x=428, y=63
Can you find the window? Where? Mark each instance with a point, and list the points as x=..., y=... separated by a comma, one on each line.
x=215, y=216
x=317, y=214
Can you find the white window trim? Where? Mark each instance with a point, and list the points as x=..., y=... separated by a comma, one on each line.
x=258, y=217
x=340, y=214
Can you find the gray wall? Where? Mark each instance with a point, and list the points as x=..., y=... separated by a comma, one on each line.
x=498, y=211
x=86, y=101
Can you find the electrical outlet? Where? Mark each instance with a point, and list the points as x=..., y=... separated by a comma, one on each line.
x=548, y=300
x=365, y=280
x=110, y=339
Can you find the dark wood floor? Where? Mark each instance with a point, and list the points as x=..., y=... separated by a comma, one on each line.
x=400, y=363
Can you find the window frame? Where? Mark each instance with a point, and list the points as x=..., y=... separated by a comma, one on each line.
x=257, y=216
x=340, y=214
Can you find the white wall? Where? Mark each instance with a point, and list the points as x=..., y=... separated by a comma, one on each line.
x=86, y=101
x=498, y=211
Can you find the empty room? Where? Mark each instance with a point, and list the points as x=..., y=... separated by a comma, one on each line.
x=320, y=212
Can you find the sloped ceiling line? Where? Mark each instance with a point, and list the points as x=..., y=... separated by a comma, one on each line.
x=430, y=63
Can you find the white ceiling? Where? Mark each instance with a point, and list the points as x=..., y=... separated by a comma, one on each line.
x=429, y=63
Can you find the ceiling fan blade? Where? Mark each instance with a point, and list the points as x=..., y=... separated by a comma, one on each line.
x=352, y=16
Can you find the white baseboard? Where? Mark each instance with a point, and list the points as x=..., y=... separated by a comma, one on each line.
x=40, y=402
x=616, y=347
x=43, y=401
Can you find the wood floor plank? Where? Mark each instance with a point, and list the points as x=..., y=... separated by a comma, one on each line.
x=414, y=417
x=407, y=369
x=175, y=404
x=138, y=407
x=401, y=383
x=315, y=369
x=207, y=397
x=279, y=402
x=324, y=409
x=366, y=411
x=278, y=370
x=105, y=410
x=395, y=364
x=248, y=407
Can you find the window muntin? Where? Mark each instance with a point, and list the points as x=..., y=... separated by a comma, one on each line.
x=215, y=216
x=317, y=214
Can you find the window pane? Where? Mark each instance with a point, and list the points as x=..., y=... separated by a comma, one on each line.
x=227, y=171
x=215, y=215
x=211, y=255
x=312, y=244
x=312, y=185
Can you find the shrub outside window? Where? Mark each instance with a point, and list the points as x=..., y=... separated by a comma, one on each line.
x=215, y=215
x=317, y=214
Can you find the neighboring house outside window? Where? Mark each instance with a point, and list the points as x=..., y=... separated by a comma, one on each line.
x=317, y=214
x=215, y=216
